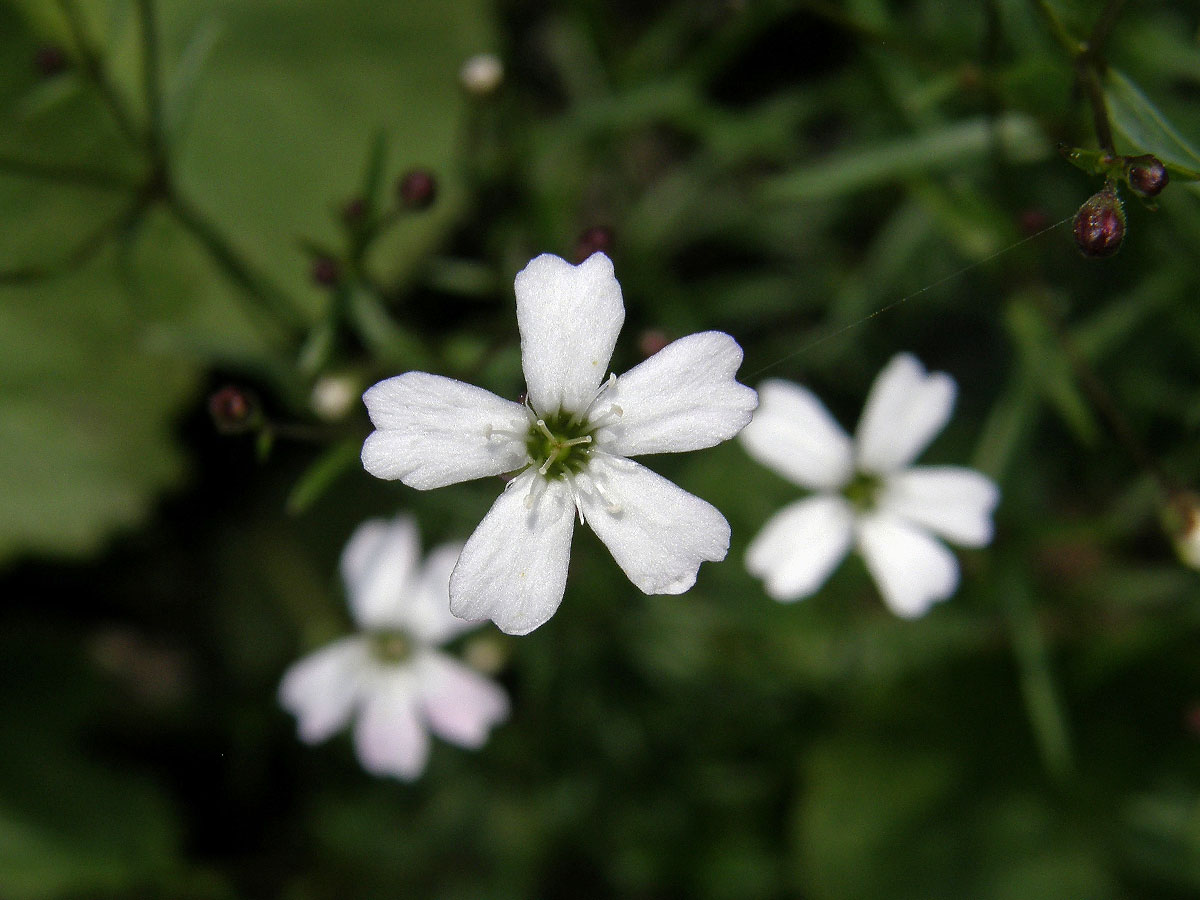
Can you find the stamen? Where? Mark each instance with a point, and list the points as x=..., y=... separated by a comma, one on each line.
x=537, y=487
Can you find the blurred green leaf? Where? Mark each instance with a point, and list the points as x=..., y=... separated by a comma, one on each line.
x=1143, y=125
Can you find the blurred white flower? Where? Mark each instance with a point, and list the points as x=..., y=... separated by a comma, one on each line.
x=867, y=494
x=569, y=442
x=332, y=396
x=390, y=678
x=481, y=74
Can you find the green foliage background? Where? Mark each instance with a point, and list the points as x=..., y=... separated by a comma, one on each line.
x=779, y=170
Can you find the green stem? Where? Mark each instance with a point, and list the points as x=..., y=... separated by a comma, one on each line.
x=1066, y=40
x=83, y=252
x=94, y=70
x=236, y=269
x=67, y=174
x=150, y=81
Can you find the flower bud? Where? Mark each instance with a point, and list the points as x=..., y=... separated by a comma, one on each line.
x=417, y=189
x=1099, y=225
x=326, y=271
x=354, y=211
x=333, y=395
x=651, y=341
x=233, y=410
x=597, y=239
x=1181, y=518
x=50, y=60
x=1147, y=176
x=481, y=74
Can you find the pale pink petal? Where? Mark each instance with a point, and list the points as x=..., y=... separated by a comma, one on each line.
x=801, y=545
x=569, y=318
x=912, y=569
x=513, y=569
x=429, y=618
x=388, y=735
x=793, y=434
x=432, y=431
x=682, y=398
x=905, y=410
x=378, y=567
x=461, y=705
x=951, y=501
x=656, y=531
x=322, y=689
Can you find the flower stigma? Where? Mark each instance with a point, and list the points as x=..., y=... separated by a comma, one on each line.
x=390, y=647
x=559, y=444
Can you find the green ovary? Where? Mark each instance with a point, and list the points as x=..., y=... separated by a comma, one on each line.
x=863, y=491
x=559, y=445
x=390, y=646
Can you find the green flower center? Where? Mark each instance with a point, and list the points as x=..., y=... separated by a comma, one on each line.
x=390, y=647
x=863, y=491
x=559, y=444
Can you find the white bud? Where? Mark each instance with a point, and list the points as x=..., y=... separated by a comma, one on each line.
x=333, y=395
x=481, y=74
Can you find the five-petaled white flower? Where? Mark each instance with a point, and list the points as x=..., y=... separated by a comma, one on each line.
x=391, y=675
x=867, y=492
x=569, y=442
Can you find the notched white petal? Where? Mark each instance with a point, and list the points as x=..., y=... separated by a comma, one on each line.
x=658, y=533
x=905, y=410
x=912, y=569
x=513, y=569
x=801, y=545
x=793, y=434
x=322, y=689
x=378, y=567
x=569, y=318
x=682, y=398
x=952, y=501
x=461, y=705
x=433, y=431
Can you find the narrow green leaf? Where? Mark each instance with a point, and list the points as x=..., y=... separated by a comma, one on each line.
x=179, y=96
x=1144, y=126
x=322, y=474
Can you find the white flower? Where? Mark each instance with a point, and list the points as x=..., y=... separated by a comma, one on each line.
x=569, y=442
x=390, y=677
x=867, y=492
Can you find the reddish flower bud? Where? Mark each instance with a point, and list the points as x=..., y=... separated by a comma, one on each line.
x=354, y=211
x=233, y=410
x=1147, y=176
x=1033, y=220
x=50, y=60
x=652, y=340
x=1100, y=224
x=597, y=239
x=326, y=271
x=417, y=189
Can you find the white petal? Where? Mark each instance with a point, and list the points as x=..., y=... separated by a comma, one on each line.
x=513, y=569
x=462, y=706
x=682, y=398
x=801, y=545
x=912, y=569
x=322, y=689
x=954, y=502
x=569, y=317
x=378, y=566
x=905, y=410
x=389, y=736
x=429, y=618
x=793, y=434
x=656, y=531
x=433, y=431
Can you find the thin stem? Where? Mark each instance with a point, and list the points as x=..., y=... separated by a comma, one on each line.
x=1103, y=28
x=1065, y=39
x=1104, y=402
x=150, y=80
x=67, y=174
x=94, y=70
x=235, y=267
x=82, y=253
